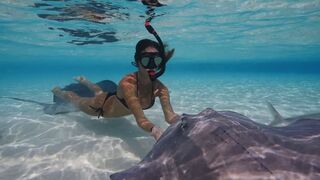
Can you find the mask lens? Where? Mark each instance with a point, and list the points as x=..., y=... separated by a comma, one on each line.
x=157, y=60
x=145, y=61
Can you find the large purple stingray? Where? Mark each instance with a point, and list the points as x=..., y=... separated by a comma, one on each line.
x=228, y=145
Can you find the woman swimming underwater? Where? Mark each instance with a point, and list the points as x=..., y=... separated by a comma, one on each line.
x=135, y=93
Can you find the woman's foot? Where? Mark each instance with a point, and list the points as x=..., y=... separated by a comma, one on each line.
x=80, y=79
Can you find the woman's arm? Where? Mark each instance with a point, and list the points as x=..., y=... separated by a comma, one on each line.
x=129, y=91
x=163, y=93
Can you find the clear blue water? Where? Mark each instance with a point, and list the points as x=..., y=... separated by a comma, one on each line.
x=230, y=55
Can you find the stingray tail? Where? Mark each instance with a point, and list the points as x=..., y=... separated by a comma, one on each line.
x=52, y=109
x=277, y=118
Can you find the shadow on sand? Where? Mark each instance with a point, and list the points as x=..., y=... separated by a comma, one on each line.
x=123, y=129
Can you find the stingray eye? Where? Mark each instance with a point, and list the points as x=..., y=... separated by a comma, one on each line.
x=183, y=125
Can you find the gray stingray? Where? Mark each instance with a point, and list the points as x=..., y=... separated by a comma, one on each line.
x=59, y=106
x=280, y=120
x=228, y=145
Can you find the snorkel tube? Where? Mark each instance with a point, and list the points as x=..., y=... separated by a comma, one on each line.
x=162, y=66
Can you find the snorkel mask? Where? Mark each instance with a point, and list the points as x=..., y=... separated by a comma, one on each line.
x=155, y=62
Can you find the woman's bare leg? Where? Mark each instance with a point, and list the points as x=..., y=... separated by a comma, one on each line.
x=93, y=87
x=83, y=103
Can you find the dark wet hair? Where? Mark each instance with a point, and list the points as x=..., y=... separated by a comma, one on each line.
x=144, y=43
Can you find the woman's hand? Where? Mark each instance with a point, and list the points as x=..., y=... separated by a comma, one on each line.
x=174, y=119
x=156, y=132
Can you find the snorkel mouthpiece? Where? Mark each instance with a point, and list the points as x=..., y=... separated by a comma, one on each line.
x=152, y=73
x=150, y=29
